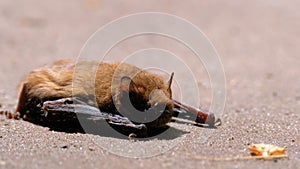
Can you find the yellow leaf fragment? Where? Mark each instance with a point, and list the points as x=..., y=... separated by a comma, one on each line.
x=267, y=151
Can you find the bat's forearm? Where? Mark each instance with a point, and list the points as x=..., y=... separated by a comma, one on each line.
x=202, y=116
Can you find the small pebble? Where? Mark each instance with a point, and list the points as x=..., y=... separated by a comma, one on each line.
x=231, y=138
x=65, y=146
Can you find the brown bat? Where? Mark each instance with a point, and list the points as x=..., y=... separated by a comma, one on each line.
x=129, y=98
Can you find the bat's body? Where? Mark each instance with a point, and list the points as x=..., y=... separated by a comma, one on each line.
x=127, y=96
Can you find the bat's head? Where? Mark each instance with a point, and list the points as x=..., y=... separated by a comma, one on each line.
x=146, y=98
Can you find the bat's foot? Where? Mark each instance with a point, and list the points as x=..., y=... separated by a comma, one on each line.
x=10, y=114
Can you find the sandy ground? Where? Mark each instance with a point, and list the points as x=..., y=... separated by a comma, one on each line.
x=258, y=43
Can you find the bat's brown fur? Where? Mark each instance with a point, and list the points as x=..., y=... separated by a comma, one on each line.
x=64, y=79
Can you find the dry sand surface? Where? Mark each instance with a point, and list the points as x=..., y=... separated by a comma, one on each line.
x=258, y=43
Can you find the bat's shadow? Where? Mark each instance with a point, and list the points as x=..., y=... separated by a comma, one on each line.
x=104, y=129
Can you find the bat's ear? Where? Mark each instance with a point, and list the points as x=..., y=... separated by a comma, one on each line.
x=170, y=84
x=127, y=83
